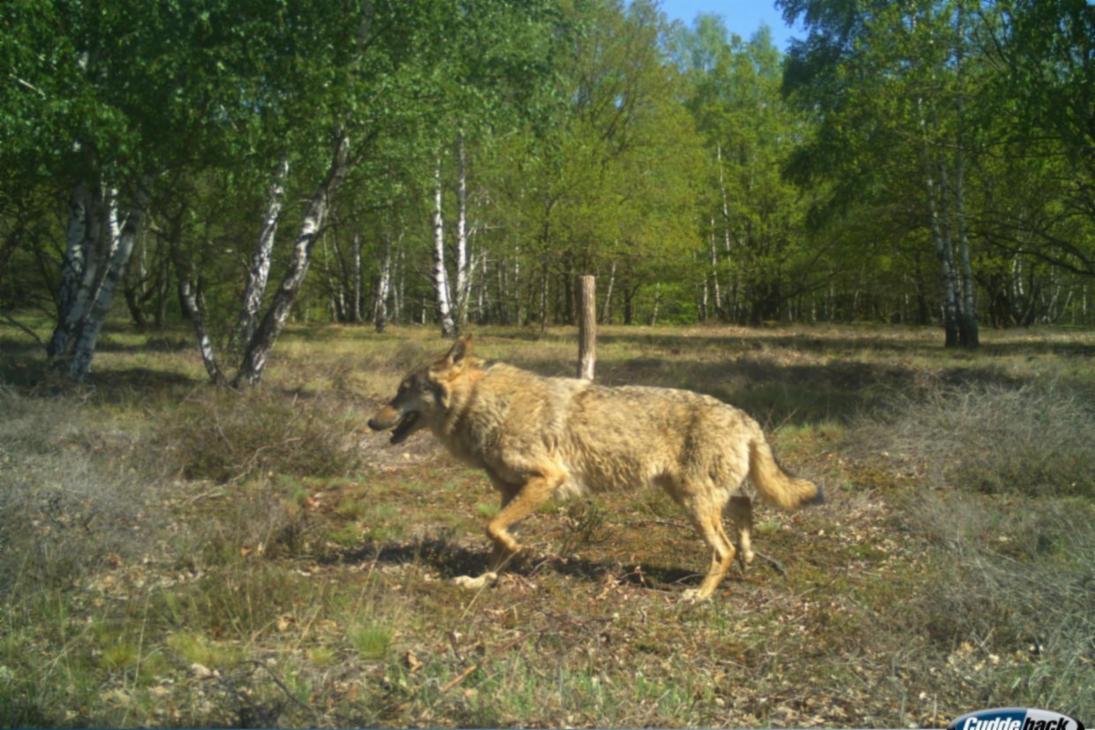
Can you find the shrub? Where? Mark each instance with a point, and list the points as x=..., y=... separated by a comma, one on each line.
x=1033, y=440
x=227, y=435
x=1014, y=578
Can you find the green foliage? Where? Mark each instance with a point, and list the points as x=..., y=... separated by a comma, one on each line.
x=703, y=174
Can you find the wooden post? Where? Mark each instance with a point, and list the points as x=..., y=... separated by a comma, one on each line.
x=587, y=327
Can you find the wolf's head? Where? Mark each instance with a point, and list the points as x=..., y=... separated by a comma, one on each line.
x=424, y=396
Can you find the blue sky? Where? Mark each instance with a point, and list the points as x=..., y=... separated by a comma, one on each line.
x=741, y=16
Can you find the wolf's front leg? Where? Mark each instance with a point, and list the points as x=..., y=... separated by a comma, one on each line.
x=516, y=505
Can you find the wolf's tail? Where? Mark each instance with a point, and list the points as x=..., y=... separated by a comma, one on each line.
x=775, y=485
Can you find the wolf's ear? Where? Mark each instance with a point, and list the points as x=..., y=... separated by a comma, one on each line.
x=460, y=350
x=453, y=361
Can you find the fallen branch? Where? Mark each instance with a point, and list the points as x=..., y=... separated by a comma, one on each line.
x=458, y=678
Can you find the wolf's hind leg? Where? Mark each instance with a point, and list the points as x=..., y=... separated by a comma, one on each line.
x=506, y=491
x=708, y=521
x=516, y=505
x=741, y=512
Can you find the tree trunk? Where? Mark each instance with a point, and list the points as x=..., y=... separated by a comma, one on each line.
x=967, y=325
x=98, y=247
x=192, y=300
x=125, y=236
x=400, y=282
x=543, y=296
x=701, y=303
x=714, y=256
x=78, y=267
x=463, y=278
x=261, y=342
x=355, y=306
x=516, y=287
x=258, y=273
x=384, y=280
x=482, y=304
x=606, y=312
x=134, y=285
x=943, y=246
x=440, y=273
x=629, y=304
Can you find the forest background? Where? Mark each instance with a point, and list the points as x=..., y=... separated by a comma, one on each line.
x=880, y=244
x=464, y=162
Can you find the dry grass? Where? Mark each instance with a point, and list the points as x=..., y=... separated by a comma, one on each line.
x=1034, y=439
x=188, y=557
x=66, y=507
x=1015, y=580
x=225, y=435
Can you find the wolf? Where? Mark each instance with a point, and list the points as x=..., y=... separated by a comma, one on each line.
x=537, y=437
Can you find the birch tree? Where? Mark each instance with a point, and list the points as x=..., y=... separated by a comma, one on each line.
x=258, y=273
x=896, y=110
x=440, y=279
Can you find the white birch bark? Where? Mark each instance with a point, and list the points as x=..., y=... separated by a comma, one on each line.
x=98, y=242
x=606, y=310
x=258, y=273
x=725, y=232
x=355, y=309
x=124, y=236
x=516, y=285
x=383, y=284
x=945, y=221
x=266, y=333
x=657, y=303
x=440, y=273
x=481, y=297
x=463, y=275
x=192, y=302
x=713, y=256
x=400, y=282
x=942, y=243
x=191, y=298
x=968, y=322
x=74, y=266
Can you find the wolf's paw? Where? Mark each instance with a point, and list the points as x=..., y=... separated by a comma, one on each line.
x=745, y=558
x=694, y=595
x=466, y=581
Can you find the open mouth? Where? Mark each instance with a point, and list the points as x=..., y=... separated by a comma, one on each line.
x=404, y=428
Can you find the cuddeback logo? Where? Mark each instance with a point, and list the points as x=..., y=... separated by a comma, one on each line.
x=1015, y=718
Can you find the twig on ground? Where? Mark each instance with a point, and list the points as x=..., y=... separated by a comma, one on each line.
x=458, y=678
x=288, y=693
x=775, y=564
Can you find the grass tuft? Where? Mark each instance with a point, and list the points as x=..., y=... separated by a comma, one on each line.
x=371, y=640
x=224, y=435
x=1033, y=440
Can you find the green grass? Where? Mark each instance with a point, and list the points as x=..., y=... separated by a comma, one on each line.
x=371, y=641
x=171, y=555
